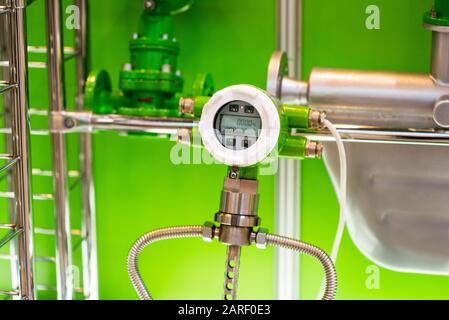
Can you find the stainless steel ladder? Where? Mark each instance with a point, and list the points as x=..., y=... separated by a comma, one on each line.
x=18, y=160
x=57, y=55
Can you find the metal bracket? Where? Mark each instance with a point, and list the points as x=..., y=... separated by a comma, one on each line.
x=76, y=121
x=66, y=121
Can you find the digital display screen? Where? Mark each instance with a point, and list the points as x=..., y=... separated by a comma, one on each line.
x=237, y=125
x=247, y=125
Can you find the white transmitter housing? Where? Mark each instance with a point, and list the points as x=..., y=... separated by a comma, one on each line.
x=241, y=125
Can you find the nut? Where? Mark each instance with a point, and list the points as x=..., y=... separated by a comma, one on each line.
x=186, y=106
x=316, y=119
x=261, y=238
x=314, y=150
x=208, y=231
x=234, y=173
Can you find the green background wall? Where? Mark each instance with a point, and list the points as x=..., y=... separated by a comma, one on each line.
x=138, y=189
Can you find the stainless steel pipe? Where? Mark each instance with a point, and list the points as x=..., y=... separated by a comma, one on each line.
x=383, y=136
x=68, y=121
x=386, y=100
x=88, y=220
x=130, y=123
x=440, y=53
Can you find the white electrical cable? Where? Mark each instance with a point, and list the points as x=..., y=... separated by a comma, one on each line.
x=342, y=193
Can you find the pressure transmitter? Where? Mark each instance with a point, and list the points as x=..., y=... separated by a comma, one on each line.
x=242, y=125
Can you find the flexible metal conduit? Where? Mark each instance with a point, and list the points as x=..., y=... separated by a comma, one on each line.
x=305, y=248
x=147, y=239
x=197, y=231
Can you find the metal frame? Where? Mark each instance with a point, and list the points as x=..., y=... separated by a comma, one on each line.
x=16, y=114
x=21, y=232
x=56, y=62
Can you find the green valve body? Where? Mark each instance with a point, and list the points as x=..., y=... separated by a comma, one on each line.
x=151, y=84
x=439, y=15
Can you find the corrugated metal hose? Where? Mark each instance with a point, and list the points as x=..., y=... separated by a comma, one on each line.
x=197, y=231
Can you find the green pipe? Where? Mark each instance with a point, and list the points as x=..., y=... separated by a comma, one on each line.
x=294, y=147
x=439, y=15
x=297, y=116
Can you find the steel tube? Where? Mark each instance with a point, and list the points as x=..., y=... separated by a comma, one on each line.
x=378, y=136
x=386, y=100
x=125, y=123
x=440, y=56
x=88, y=121
x=88, y=220
x=440, y=53
x=5, y=46
x=20, y=147
x=288, y=178
x=7, y=88
x=294, y=91
x=55, y=51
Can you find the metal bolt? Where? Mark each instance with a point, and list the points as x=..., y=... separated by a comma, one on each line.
x=208, y=233
x=235, y=173
x=150, y=4
x=69, y=123
x=261, y=238
x=135, y=36
x=165, y=36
